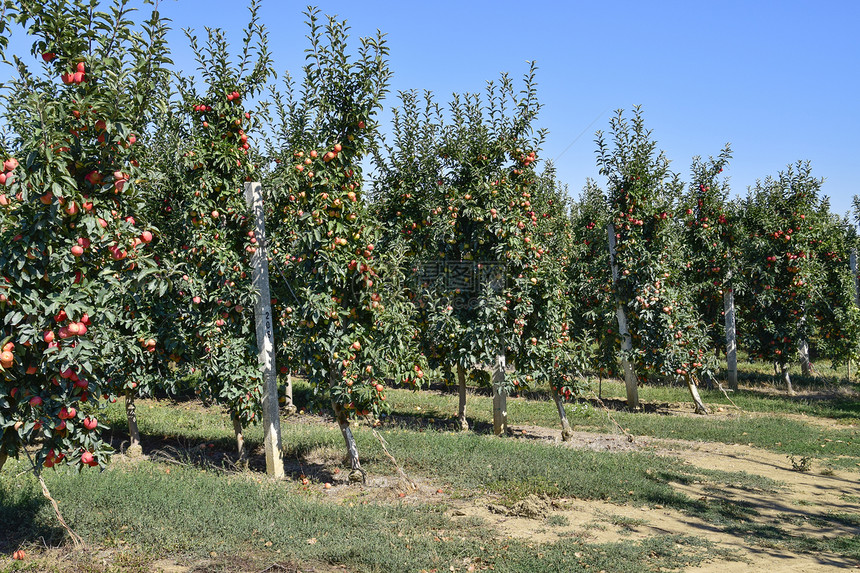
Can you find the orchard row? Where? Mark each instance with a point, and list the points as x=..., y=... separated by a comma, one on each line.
x=127, y=242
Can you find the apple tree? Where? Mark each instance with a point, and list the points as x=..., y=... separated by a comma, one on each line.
x=780, y=271
x=75, y=246
x=342, y=296
x=660, y=332
x=709, y=235
x=465, y=198
x=555, y=349
x=590, y=279
x=833, y=312
x=211, y=235
x=409, y=183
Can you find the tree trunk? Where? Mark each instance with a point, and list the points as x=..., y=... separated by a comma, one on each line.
x=786, y=378
x=134, y=448
x=566, y=432
x=694, y=392
x=500, y=398
x=731, y=337
x=240, y=436
x=630, y=380
x=806, y=366
x=461, y=411
x=357, y=473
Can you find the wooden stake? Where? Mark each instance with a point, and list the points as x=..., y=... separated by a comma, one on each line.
x=853, y=263
x=806, y=366
x=265, y=336
x=134, y=448
x=461, y=410
x=500, y=399
x=731, y=335
x=630, y=380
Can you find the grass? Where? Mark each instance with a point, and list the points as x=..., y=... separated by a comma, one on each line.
x=626, y=523
x=838, y=443
x=839, y=404
x=512, y=468
x=188, y=503
x=195, y=513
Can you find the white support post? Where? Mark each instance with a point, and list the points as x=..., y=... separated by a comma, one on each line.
x=852, y=260
x=731, y=334
x=265, y=336
x=630, y=379
x=500, y=398
x=853, y=263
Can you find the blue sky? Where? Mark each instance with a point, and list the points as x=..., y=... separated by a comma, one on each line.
x=779, y=80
